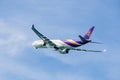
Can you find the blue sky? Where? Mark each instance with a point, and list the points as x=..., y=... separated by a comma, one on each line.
x=59, y=19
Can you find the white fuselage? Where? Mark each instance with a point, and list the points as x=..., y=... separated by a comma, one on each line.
x=59, y=43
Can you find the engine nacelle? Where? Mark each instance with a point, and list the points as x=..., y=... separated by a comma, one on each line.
x=64, y=51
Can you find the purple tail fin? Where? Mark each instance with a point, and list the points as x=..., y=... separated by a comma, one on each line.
x=87, y=35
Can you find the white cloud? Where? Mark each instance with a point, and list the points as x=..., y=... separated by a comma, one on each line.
x=12, y=39
x=24, y=71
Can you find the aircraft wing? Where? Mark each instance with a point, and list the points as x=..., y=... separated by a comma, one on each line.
x=89, y=50
x=44, y=38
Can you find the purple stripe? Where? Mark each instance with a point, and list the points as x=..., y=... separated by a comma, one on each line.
x=71, y=44
x=79, y=42
x=86, y=37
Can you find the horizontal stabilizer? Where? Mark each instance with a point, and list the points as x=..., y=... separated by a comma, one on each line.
x=96, y=42
x=82, y=38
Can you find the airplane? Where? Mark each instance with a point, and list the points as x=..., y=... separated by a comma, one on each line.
x=64, y=46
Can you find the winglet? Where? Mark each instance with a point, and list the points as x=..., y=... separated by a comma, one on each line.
x=32, y=26
x=37, y=33
x=88, y=34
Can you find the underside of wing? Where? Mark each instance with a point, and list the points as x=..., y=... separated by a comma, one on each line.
x=85, y=50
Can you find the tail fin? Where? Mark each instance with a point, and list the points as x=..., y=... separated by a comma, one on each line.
x=88, y=34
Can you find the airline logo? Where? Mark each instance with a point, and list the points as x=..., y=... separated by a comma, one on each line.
x=88, y=34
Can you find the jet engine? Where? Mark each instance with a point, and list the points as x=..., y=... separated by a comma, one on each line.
x=63, y=51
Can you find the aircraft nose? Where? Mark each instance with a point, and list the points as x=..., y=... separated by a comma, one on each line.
x=33, y=44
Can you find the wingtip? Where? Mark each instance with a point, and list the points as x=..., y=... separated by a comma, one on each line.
x=93, y=27
x=32, y=26
x=104, y=50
